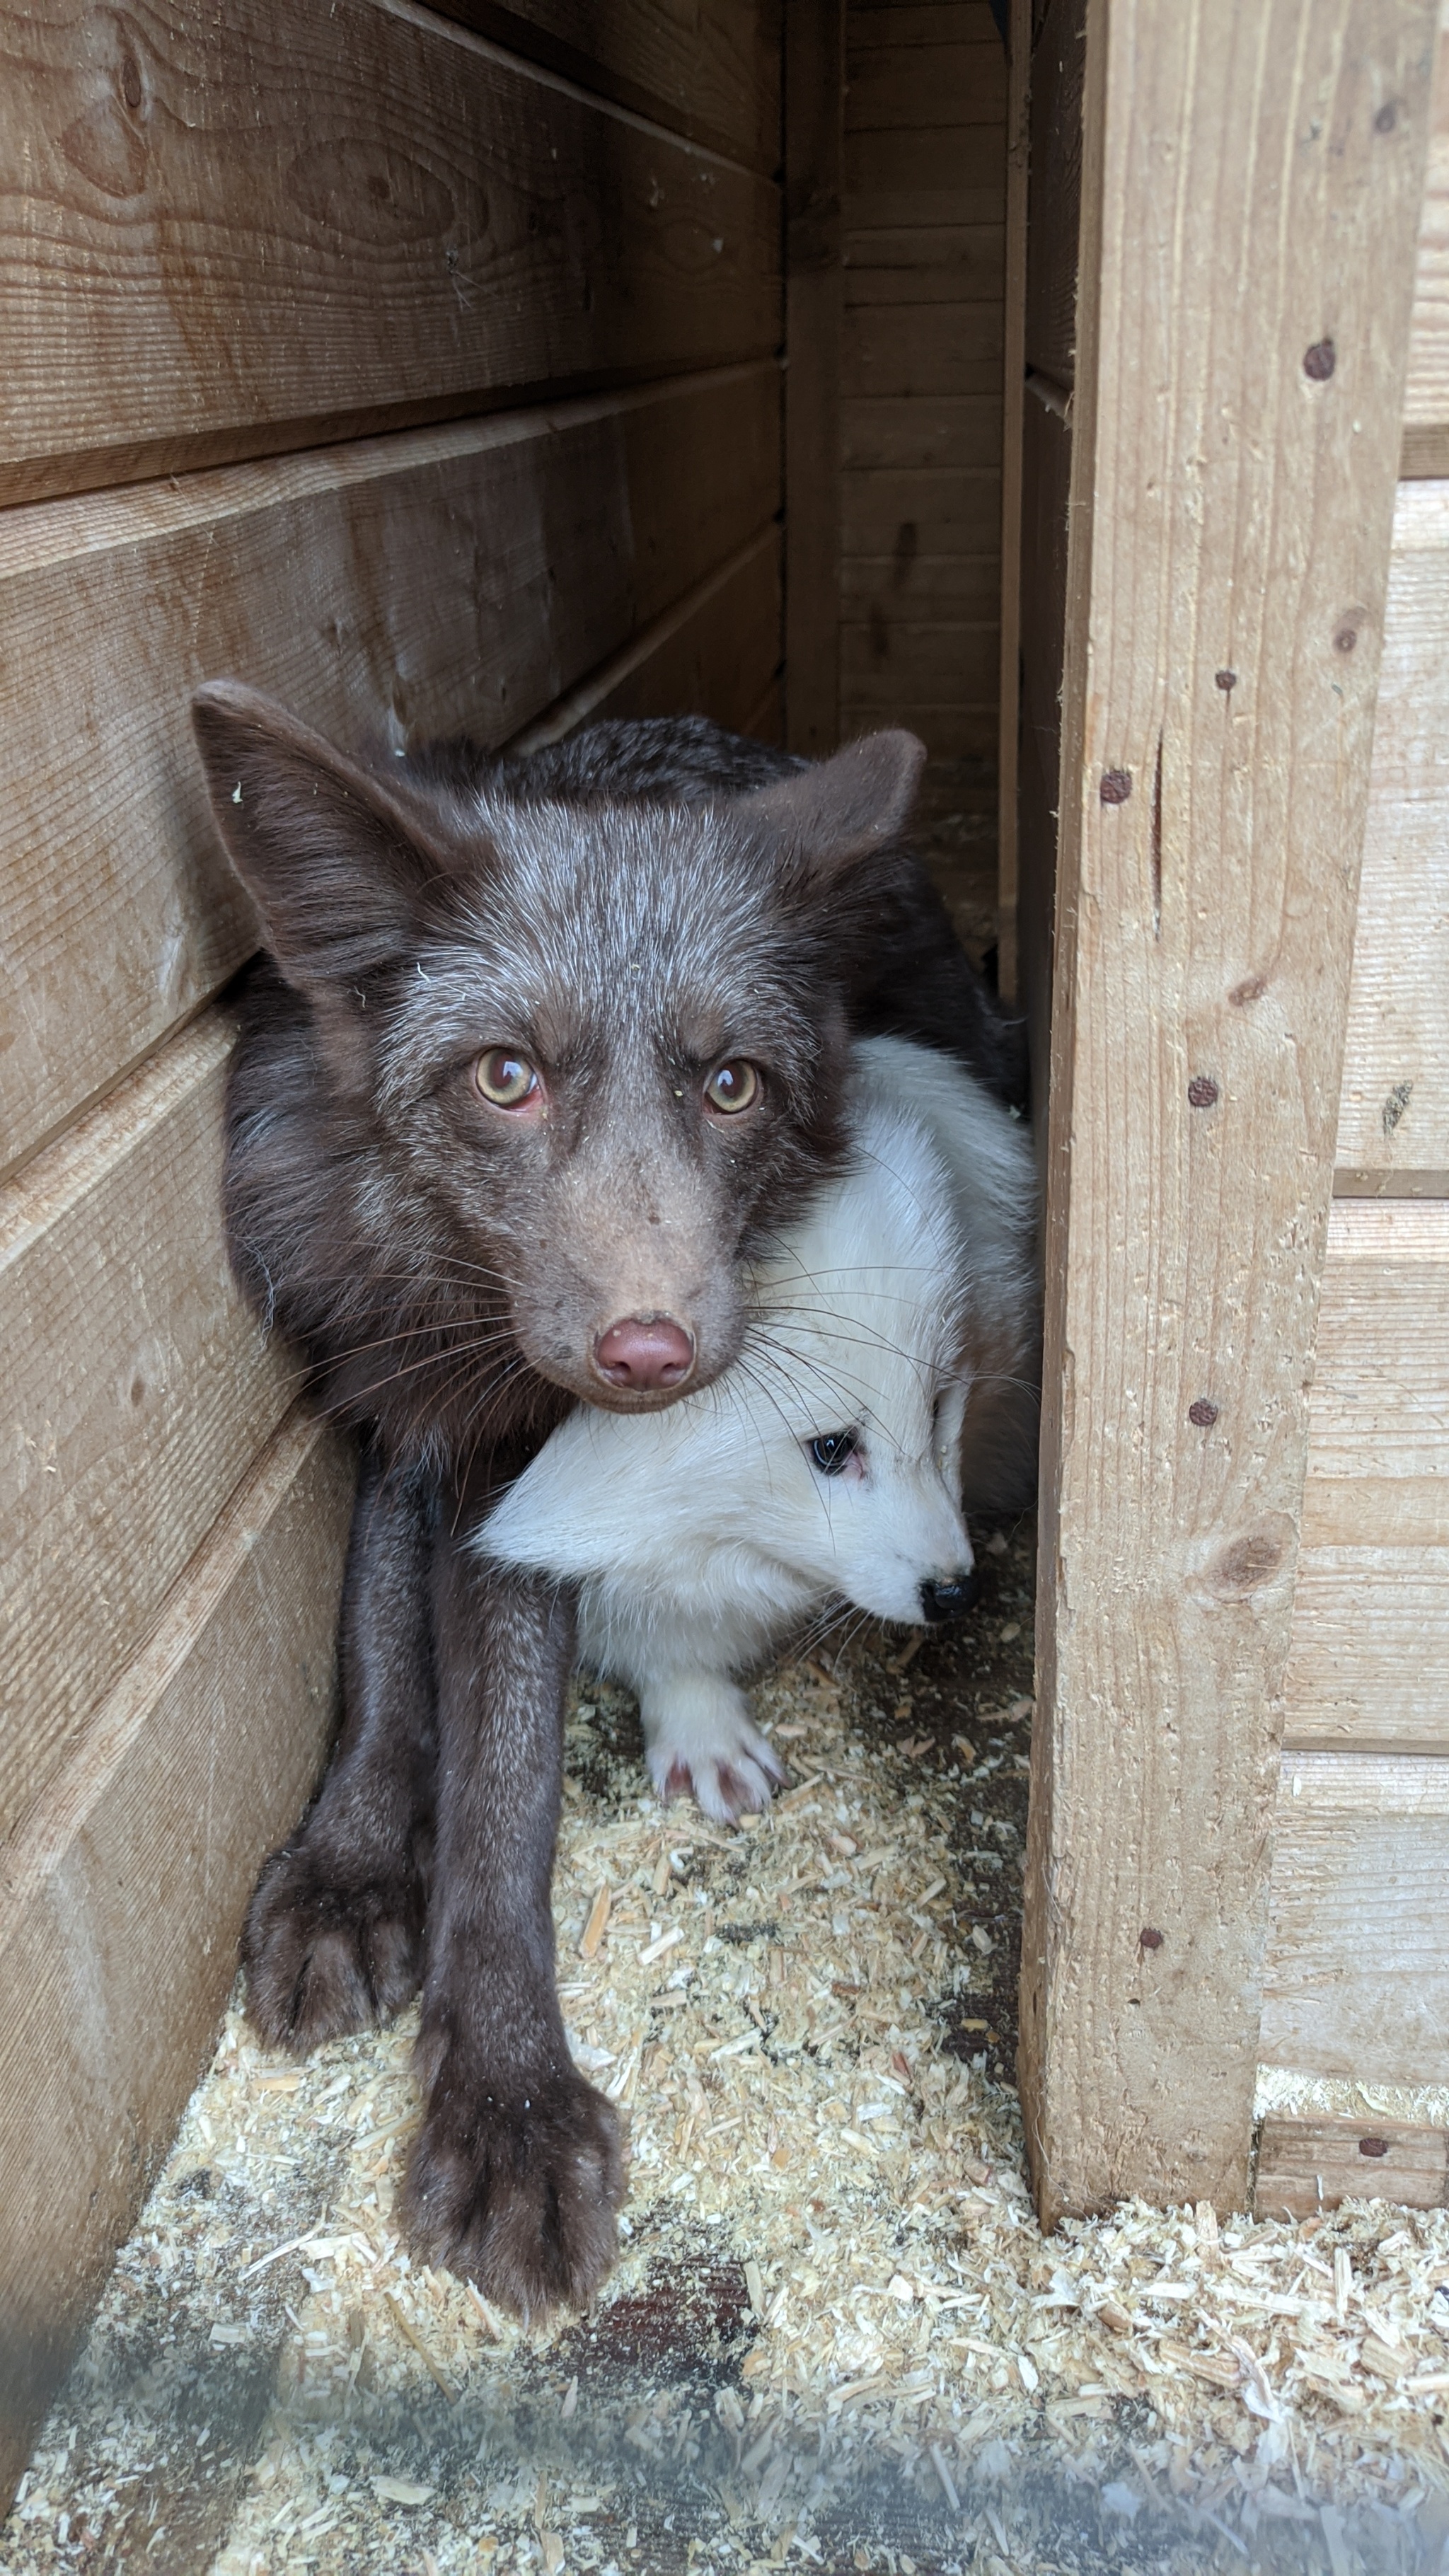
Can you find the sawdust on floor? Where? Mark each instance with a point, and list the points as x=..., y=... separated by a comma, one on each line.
x=836, y=2336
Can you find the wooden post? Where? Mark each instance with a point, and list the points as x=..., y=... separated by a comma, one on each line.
x=1251, y=184
x=814, y=172
x=1018, y=104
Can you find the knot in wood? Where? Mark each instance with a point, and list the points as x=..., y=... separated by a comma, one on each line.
x=1387, y=117
x=1202, y=1091
x=1320, y=361
x=1203, y=1412
x=1116, y=786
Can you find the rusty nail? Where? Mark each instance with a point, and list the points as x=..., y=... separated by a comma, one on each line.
x=1203, y=1412
x=1149, y=1940
x=1387, y=118
x=1373, y=2146
x=1202, y=1091
x=1116, y=786
x=1345, y=640
x=1226, y=680
x=1320, y=361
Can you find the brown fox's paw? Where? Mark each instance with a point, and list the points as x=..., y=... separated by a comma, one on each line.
x=517, y=2191
x=322, y=1959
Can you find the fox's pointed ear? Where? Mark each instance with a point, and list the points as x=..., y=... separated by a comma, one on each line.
x=842, y=810
x=330, y=860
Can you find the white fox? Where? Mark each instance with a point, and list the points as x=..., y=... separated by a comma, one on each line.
x=887, y=1382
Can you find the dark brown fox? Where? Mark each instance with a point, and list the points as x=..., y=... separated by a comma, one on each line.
x=541, y=1052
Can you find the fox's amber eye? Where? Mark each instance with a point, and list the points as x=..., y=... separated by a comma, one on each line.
x=508, y=1080
x=733, y=1086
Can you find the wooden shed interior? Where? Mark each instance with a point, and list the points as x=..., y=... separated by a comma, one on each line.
x=501, y=363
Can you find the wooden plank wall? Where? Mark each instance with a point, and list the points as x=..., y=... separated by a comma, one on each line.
x=422, y=367
x=1358, y=1973
x=1224, y=603
x=920, y=372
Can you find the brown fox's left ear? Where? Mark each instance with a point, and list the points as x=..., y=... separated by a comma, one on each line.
x=839, y=811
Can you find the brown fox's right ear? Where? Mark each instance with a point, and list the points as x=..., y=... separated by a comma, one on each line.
x=334, y=868
x=836, y=814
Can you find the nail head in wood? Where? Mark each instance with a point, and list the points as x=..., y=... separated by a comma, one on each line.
x=1345, y=640
x=1373, y=2146
x=1320, y=361
x=1116, y=786
x=1149, y=1939
x=1203, y=1412
x=1226, y=680
x=1202, y=1091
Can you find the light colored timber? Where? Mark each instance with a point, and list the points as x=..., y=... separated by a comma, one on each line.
x=1008, y=748
x=882, y=663
x=716, y=654
x=1356, y=1981
x=1393, y=1115
x=1241, y=201
x=1308, y=2165
x=240, y=230
x=711, y=72
x=138, y=1390
x=121, y=1900
x=1426, y=394
x=814, y=144
x=912, y=587
x=440, y=580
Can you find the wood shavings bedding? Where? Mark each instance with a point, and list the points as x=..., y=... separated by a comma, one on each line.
x=835, y=2336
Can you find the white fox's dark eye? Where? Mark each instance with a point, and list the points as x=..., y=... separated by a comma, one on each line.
x=733, y=1086
x=831, y=1451
x=508, y=1080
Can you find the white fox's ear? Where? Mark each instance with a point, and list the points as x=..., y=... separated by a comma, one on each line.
x=334, y=865
x=843, y=810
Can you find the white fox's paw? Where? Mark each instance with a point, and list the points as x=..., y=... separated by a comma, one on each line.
x=700, y=1743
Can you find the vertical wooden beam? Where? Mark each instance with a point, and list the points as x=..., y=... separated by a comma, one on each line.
x=1251, y=184
x=814, y=174
x=1018, y=131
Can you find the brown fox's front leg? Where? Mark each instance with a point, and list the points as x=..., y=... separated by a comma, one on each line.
x=517, y=2174
x=334, y=1935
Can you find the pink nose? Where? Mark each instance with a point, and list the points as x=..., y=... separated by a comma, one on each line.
x=644, y=1351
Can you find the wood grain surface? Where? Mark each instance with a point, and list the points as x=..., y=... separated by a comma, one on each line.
x=1393, y=1119
x=716, y=653
x=1013, y=462
x=711, y=71
x=436, y=580
x=1210, y=842
x=1308, y=2165
x=1426, y=395
x=814, y=147
x=139, y=1392
x=235, y=231
x=1356, y=1981
x=121, y=1901
x=955, y=430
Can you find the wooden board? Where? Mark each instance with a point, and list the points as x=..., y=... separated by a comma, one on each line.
x=1058, y=65
x=237, y=231
x=881, y=665
x=884, y=350
x=1046, y=479
x=942, y=161
x=916, y=87
x=814, y=141
x=412, y=581
x=121, y=1901
x=923, y=263
x=1356, y=1981
x=1426, y=394
x=1008, y=755
x=138, y=1392
x=953, y=510
x=711, y=72
x=1208, y=868
x=1393, y=1121
x=1306, y=2165
x=909, y=586
x=717, y=654
x=944, y=429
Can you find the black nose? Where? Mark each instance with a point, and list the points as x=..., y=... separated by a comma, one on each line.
x=949, y=1599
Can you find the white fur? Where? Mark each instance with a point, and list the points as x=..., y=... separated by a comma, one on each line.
x=901, y=1307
